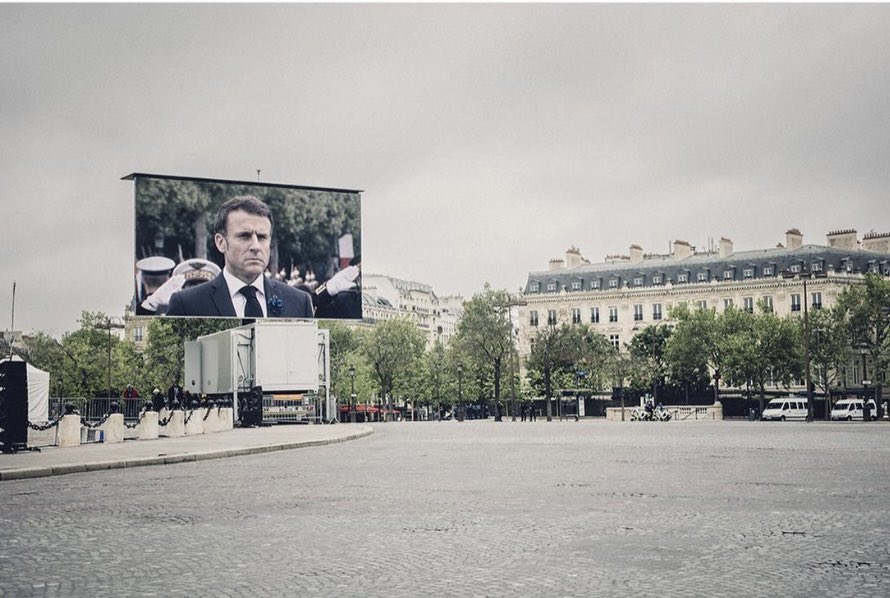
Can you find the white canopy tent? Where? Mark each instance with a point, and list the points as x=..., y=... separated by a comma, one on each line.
x=38, y=392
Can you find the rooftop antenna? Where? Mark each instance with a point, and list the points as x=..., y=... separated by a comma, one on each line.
x=258, y=175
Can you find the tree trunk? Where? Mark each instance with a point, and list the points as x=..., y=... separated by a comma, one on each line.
x=200, y=227
x=497, y=390
x=547, y=393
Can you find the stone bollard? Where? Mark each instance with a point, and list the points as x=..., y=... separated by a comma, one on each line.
x=69, y=430
x=195, y=424
x=211, y=424
x=148, y=425
x=175, y=425
x=226, y=418
x=113, y=428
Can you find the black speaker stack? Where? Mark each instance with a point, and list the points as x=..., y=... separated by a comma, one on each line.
x=13, y=406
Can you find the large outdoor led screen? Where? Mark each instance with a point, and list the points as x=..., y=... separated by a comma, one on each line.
x=299, y=247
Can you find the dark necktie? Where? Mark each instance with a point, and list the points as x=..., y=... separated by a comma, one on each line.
x=252, y=309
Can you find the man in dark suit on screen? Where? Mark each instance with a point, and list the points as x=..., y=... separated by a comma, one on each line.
x=243, y=234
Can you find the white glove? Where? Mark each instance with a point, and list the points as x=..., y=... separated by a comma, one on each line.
x=342, y=280
x=162, y=295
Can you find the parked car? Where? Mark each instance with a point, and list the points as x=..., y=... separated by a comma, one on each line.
x=785, y=408
x=850, y=409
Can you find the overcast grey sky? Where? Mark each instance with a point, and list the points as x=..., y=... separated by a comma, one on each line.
x=487, y=138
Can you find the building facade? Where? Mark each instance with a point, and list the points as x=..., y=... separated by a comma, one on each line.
x=386, y=297
x=625, y=293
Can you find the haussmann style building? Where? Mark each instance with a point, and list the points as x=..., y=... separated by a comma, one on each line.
x=625, y=293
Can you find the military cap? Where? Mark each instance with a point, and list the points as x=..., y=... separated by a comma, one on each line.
x=197, y=269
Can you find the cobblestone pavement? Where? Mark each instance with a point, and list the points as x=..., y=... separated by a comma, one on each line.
x=587, y=508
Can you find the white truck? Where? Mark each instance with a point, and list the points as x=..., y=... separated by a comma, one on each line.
x=288, y=359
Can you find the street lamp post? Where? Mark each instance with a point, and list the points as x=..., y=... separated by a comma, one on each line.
x=110, y=324
x=352, y=406
x=513, y=302
x=806, y=348
x=460, y=392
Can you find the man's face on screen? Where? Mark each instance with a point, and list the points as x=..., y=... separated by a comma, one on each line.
x=245, y=244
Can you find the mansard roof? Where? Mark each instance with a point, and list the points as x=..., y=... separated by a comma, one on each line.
x=404, y=286
x=779, y=259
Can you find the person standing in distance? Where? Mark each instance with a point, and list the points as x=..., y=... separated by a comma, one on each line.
x=243, y=234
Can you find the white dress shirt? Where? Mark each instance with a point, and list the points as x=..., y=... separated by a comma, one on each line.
x=240, y=301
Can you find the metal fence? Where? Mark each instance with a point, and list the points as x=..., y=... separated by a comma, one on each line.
x=290, y=409
x=94, y=409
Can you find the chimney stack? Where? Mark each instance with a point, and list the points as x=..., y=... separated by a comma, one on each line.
x=636, y=254
x=682, y=250
x=843, y=239
x=725, y=247
x=793, y=238
x=877, y=242
x=573, y=257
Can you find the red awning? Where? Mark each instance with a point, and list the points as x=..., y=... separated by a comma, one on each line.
x=360, y=409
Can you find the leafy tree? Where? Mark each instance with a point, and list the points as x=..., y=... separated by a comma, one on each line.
x=828, y=349
x=391, y=348
x=45, y=352
x=343, y=342
x=690, y=348
x=355, y=360
x=435, y=366
x=179, y=213
x=620, y=366
x=760, y=348
x=865, y=309
x=647, y=349
x=455, y=379
x=484, y=335
x=554, y=353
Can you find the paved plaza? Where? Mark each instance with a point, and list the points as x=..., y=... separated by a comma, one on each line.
x=588, y=508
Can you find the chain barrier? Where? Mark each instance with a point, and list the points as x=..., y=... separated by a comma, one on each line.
x=46, y=426
x=189, y=414
x=98, y=423
x=139, y=421
x=206, y=415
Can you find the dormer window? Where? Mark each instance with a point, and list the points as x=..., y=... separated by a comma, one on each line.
x=795, y=268
x=576, y=285
x=535, y=287
x=551, y=287
x=595, y=284
x=702, y=276
x=767, y=270
x=683, y=277
x=638, y=281
x=656, y=279
x=728, y=274
x=816, y=267
x=748, y=273
x=613, y=283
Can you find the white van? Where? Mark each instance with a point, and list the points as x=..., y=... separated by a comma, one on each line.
x=786, y=408
x=851, y=409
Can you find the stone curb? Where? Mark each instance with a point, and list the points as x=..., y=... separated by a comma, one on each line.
x=45, y=471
